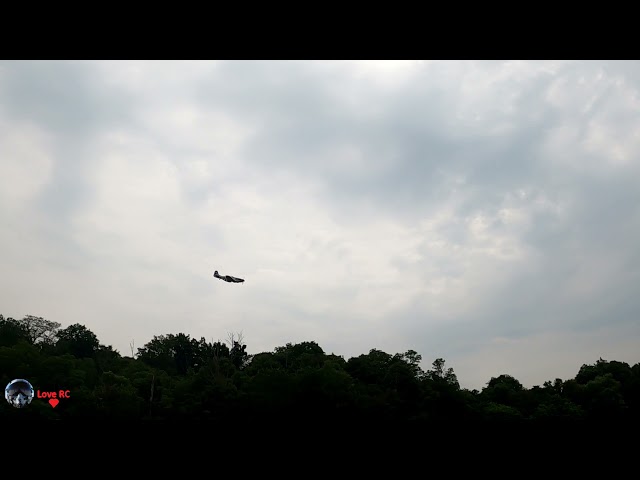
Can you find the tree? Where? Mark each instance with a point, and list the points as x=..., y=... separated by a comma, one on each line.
x=300, y=355
x=176, y=377
x=620, y=371
x=438, y=373
x=175, y=353
x=557, y=409
x=412, y=359
x=555, y=387
x=106, y=357
x=77, y=340
x=605, y=397
x=217, y=350
x=185, y=351
x=371, y=368
x=39, y=330
x=238, y=352
x=499, y=413
x=117, y=398
x=11, y=332
x=505, y=390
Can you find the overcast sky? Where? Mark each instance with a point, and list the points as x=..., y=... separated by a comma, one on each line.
x=484, y=212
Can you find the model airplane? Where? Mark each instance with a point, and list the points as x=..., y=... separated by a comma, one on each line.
x=227, y=278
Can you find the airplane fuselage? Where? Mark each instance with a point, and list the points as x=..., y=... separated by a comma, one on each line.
x=228, y=278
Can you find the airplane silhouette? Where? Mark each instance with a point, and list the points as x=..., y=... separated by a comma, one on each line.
x=228, y=278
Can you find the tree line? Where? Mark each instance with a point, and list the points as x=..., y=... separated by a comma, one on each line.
x=179, y=378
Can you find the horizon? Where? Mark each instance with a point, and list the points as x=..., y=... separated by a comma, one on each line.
x=425, y=364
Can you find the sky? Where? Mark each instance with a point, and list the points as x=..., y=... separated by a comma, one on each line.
x=483, y=212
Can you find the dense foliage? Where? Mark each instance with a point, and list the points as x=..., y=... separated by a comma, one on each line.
x=178, y=378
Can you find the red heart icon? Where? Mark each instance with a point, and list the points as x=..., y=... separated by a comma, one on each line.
x=53, y=402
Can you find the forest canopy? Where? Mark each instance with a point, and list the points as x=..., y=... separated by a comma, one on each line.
x=177, y=377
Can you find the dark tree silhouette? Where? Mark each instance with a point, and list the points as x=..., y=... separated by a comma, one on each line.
x=175, y=377
x=77, y=340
